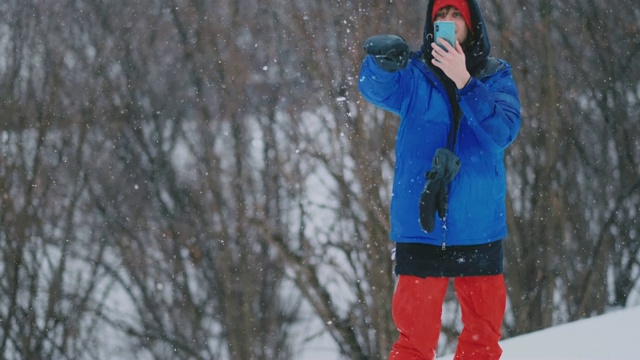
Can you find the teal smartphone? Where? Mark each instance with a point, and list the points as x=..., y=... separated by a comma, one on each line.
x=445, y=30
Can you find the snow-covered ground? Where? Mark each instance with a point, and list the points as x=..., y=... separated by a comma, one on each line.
x=613, y=336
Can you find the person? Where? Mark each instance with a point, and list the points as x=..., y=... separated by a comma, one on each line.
x=459, y=110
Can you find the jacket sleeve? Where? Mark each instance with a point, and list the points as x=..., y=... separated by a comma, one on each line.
x=492, y=110
x=381, y=88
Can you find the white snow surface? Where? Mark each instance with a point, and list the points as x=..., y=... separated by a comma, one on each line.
x=612, y=336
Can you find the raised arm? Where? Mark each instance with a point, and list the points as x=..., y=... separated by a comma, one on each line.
x=381, y=72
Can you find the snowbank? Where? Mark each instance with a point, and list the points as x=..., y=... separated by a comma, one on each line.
x=613, y=336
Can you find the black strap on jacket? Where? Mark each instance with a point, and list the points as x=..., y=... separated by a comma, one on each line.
x=452, y=94
x=457, y=115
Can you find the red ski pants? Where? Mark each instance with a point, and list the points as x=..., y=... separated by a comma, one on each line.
x=417, y=313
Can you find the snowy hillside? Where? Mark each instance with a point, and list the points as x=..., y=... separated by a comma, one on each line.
x=613, y=336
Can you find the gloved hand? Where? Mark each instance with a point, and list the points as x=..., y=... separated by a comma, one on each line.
x=435, y=196
x=390, y=52
x=431, y=200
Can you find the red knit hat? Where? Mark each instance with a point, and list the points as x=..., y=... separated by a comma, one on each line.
x=461, y=5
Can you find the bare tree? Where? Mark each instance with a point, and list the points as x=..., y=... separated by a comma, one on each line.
x=201, y=280
x=575, y=178
x=49, y=280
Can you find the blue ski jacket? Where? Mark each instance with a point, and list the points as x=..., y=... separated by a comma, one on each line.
x=490, y=123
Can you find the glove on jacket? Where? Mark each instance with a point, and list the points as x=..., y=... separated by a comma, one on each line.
x=390, y=52
x=444, y=167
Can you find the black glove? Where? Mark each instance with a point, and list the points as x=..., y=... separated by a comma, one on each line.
x=390, y=52
x=435, y=196
x=431, y=201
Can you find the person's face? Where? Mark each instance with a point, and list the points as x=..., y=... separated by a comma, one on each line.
x=450, y=13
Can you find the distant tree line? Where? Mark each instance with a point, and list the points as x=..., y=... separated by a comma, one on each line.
x=186, y=178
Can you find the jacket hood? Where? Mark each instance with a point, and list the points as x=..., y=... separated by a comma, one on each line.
x=477, y=53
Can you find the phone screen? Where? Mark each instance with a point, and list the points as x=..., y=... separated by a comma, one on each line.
x=445, y=30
